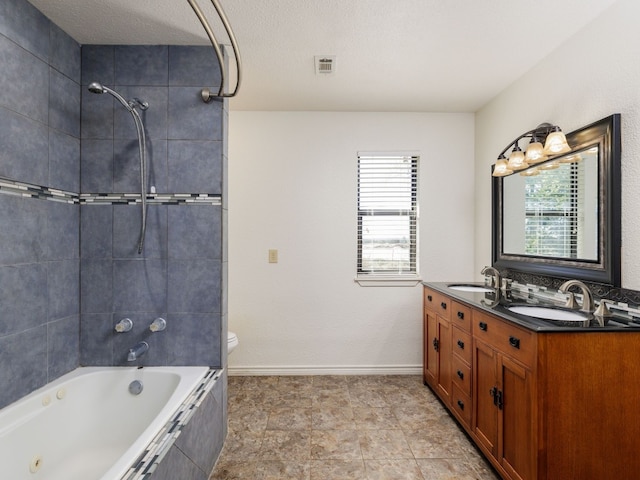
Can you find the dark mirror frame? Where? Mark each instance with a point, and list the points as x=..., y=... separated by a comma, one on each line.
x=606, y=269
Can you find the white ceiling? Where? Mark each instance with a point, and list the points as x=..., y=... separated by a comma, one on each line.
x=400, y=55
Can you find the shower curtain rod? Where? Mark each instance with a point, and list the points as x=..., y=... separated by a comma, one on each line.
x=207, y=95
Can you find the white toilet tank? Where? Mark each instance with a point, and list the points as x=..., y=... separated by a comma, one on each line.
x=232, y=341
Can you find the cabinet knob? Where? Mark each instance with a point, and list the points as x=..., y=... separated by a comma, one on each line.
x=443, y=305
x=436, y=344
x=461, y=344
x=430, y=298
x=483, y=326
x=514, y=342
x=461, y=315
x=461, y=404
x=460, y=374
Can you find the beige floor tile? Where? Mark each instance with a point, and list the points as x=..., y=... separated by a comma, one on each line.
x=337, y=397
x=446, y=469
x=362, y=397
x=282, y=470
x=284, y=445
x=393, y=470
x=384, y=444
x=289, y=419
x=243, y=445
x=332, y=418
x=338, y=470
x=433, y=444
x=369, y=418
x=234, y=470
x=335, y=445
x=253, y=419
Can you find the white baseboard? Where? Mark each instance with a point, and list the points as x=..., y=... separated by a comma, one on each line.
x=282, y=370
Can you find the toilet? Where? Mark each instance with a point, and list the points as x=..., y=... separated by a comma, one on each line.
x=232, y=341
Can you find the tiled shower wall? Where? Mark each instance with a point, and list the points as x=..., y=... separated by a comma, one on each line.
x=69, y=272
x=39, y=239
x=179, y=275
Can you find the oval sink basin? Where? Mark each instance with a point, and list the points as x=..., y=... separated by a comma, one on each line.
x=549, y=313
x=469, y=287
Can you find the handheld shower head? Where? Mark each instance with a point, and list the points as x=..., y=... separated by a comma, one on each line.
x=95, y=87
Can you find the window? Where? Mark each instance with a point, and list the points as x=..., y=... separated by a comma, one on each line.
x=554, y=209
x=387, y=216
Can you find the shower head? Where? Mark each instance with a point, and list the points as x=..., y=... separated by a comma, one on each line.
x=95, y=87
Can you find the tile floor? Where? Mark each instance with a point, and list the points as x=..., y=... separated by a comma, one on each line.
x=343, y=427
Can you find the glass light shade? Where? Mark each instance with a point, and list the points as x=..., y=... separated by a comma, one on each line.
x=501, y=169
x=530, y=172
x=556, y=144
x=550, y=166
x=516, y=160
x=534, y=153
x=575, y=158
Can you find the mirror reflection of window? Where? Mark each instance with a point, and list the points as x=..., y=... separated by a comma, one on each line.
x=554, y=212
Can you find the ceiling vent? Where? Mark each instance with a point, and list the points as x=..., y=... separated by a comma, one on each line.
x=325, y=64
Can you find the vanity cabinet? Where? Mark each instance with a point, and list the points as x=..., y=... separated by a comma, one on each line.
x=437, y=343
x=540, y=404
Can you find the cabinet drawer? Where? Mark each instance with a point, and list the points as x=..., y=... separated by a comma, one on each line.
x=461, y=316
x=461, y=374
x=461, y=405
x=513, y=341
x=437, y=302
x=461, y=344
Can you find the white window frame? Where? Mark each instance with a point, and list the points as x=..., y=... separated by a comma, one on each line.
x=408, y=207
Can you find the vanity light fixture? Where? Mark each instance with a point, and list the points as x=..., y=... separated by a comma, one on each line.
x=555, y=143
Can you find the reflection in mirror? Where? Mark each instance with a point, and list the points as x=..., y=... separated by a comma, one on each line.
x=561, y=218
x=553, y=209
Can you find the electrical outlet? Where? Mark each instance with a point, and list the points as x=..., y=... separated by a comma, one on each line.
x=273, y=256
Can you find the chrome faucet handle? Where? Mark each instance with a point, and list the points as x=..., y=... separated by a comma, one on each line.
x=603, y=310
x=571, y=301
x=158, y=325
x=124, y=325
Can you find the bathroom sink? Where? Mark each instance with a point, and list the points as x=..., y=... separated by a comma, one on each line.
x=469, y=287
x=549, y=313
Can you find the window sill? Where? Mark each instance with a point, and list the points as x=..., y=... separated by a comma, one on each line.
x=387, y=280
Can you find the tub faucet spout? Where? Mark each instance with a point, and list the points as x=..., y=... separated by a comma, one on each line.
x=137, y=351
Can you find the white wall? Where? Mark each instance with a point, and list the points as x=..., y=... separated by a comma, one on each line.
x=594, y=74
x=292, y=187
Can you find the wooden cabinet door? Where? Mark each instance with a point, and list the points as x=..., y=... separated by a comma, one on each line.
x=444, y=360
x=430, y=368
x=485, y=411
x=517, y=421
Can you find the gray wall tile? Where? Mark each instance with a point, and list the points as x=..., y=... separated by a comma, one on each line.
x=64, y=103
x=96, y=292
x=23, y=230
x=195, y=232
x=65, y=54
x=63, y=346
x=126, y=232
x=25, y=81
x=98, y=64
x=96, y=339
x=159, y=342
x=64, y=289
x=25, y=148
x=96, y=170
x=154, y=117
x=64, y=161
x=97, y=115
x=96, y=231
x=195, y=339
x=194, y=166
x=22, y=22
x=21, y=374
x=191, y=66
x=192, y=119
x=63, y=229
x=176, y=465
x=141, y=285
x=23, y=296
x=141, y=65
x=194, y=286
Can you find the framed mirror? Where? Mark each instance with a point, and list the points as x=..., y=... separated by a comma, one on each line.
x=561, y=218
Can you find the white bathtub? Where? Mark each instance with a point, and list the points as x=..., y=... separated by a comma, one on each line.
x=86, y=425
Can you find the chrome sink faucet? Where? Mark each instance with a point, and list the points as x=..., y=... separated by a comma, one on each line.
x=494, y=277
x=587, y=296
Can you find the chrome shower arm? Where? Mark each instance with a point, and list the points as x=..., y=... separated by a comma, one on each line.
x=207, y=96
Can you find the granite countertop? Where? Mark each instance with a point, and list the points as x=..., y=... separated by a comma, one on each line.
x=497, y=305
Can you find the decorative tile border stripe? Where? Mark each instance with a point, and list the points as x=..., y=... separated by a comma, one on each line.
x=20, y=189
x=149, y=460
x=11, y=187
x=152, y=199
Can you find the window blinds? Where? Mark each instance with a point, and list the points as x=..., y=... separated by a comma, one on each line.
x=387, y=214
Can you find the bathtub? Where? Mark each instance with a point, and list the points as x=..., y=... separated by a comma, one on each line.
x=87, y=425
